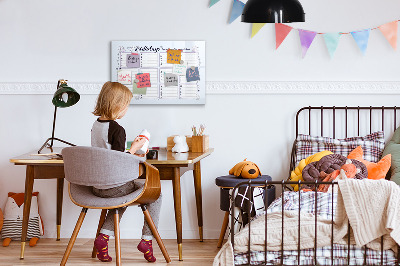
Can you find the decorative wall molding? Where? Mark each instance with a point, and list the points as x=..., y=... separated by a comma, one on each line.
x=232, y=87
x=304, y=87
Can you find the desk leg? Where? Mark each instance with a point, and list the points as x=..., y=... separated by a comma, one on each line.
x=60, y=190
x=197, y=189
x=176, y=182
x=27, y=206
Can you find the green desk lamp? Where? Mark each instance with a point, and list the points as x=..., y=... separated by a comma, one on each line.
x=65, y=96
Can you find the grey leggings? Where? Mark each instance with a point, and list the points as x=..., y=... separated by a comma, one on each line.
x=154, y=208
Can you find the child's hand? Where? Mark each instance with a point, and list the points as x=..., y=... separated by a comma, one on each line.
x=143, y=155
x=137, y=144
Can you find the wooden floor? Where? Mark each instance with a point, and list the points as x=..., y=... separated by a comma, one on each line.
x=50, y=252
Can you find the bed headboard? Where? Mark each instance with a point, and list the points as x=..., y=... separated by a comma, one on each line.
x=344, y=121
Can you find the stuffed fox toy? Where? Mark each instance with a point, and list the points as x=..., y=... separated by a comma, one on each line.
x=13, y=215
x=245, y=169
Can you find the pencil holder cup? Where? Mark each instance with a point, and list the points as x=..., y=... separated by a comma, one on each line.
x=200, y=143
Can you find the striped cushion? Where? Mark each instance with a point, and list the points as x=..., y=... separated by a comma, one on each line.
x=372, y=145
x=13, y=228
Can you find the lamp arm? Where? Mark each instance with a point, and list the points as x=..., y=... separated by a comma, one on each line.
x=54, y=126
x=54, y=119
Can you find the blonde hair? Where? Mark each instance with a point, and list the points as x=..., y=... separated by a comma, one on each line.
x=112, y=99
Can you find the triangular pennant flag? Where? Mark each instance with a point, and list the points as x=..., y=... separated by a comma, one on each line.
x=389, y=30
x=361, y=37
x=281, y=31
x=256, y=28
x=306, y=39
x=237, y=9
x=213, y=2
x=332, y=41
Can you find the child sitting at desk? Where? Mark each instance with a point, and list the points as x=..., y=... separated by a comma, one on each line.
x=112, y=103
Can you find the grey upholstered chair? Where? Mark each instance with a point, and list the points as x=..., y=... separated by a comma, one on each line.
x=85, y=167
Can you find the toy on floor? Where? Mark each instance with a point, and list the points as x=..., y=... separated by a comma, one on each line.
x=245, y=169
x=180, y=144
x=13, y=215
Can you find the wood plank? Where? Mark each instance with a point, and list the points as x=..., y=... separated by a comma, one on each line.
x=49, y=252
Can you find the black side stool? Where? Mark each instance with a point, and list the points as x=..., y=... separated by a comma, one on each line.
x=226, y=183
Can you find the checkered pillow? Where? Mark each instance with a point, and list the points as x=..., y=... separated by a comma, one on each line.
x=372, y=145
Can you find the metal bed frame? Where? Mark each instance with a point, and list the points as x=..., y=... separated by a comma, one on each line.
x=283, y=184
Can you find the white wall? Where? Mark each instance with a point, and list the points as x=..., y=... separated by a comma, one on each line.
x=42, y=41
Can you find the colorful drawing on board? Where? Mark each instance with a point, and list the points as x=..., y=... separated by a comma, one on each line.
x=174, y=56
x=143, y=80
x=136, y=90
x=170, y=80
x=125, y=77
x=133, y=60
x=179, y=69
x=192, y=74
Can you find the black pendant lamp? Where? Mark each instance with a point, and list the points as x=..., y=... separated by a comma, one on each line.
x=273, y=11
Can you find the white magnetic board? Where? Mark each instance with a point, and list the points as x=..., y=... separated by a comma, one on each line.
x=171, y=72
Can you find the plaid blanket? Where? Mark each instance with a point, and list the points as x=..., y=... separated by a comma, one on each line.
x=323, y=205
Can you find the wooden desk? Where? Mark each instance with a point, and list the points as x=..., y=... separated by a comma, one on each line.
x=168, y=164
x=40, y=167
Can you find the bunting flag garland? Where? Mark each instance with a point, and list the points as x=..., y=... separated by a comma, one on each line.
x=389, y=30
x=256, y=27
x=361, y=37
x=213, y=2
x=237, y=9
x=306, y=39
x=332, y=41
x=281, y=31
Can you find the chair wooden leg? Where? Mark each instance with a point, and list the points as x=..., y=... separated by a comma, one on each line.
x=73, y=237
x=154, y=230
x=101, y=222
x=117, y=239
x=223, y=229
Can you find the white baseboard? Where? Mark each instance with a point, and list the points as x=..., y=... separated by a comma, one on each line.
x=135, y=233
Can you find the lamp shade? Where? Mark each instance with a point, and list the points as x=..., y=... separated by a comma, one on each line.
x=65, y=96
x=273, y=11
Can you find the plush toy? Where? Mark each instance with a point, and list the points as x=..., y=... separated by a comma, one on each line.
x=13, y=215
x=375, y=170
x=296, y=174
x=245, y=169
x=180, y=144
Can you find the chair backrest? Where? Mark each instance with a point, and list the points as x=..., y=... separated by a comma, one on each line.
x=92, y=166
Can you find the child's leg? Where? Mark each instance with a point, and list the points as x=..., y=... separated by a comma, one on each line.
x=154, y=210
x=145, y=244
x=108, y=226
x=107, y=230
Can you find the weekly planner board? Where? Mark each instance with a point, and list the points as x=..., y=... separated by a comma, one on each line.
x=160, y=72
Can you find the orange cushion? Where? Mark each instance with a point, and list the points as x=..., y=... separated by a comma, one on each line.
x=375, y=170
